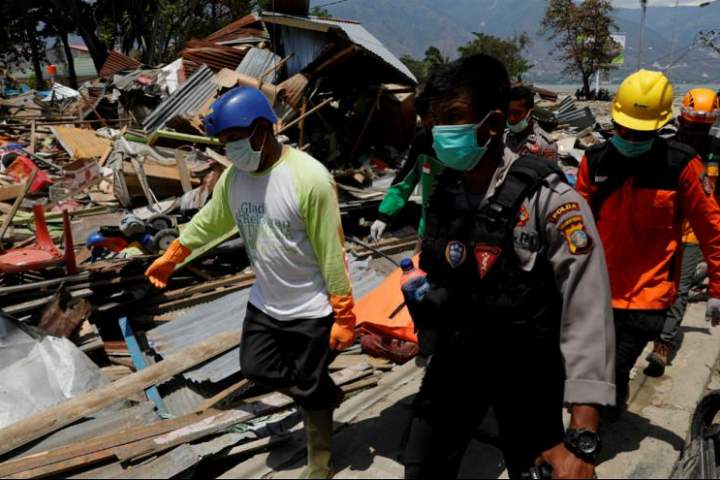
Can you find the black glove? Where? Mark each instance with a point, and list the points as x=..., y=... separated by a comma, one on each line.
x=427, y=315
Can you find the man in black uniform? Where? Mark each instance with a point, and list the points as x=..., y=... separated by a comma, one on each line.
x=519, y=305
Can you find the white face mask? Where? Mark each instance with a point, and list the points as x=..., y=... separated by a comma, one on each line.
x=243, y=156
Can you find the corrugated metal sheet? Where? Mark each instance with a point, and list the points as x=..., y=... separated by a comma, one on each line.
x=228, y=313
x=117, y=62
x=189, y=97
x=110, y=419
x=257, y=61
x=217, y=57
x=239, y=31
x=84, y=67
x=355, y=32
x=202, y=322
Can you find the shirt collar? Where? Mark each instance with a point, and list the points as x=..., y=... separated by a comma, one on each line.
x=501, y=173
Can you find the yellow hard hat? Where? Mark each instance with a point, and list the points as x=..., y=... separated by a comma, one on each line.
x=644, y=101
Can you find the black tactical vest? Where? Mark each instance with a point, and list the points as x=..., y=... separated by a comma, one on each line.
x=659, y=169
x=503, y=291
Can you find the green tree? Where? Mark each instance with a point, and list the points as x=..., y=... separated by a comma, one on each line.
x=422, y=68
x=582, y=35
x=509, y=52
x=20, y=39
x=157, y=29
x=320, y=12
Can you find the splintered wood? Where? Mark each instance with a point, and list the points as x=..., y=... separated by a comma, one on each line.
x=81, y=143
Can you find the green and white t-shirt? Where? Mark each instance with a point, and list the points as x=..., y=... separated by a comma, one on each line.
x=289, y=219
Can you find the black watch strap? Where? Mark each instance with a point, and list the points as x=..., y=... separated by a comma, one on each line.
x=583, y=443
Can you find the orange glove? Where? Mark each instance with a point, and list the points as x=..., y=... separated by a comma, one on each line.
x=160, y=271
x=342, y=334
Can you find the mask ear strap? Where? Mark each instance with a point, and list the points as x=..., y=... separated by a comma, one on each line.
x=262, y=145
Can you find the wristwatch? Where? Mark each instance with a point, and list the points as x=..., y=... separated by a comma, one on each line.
x=583, y=443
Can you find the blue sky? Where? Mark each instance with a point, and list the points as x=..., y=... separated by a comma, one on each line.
x=659, y=3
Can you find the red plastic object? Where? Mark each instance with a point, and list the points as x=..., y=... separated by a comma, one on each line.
x=20, y=169
x=43, y=254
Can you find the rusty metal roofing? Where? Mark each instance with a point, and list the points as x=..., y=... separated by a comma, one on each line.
x=187, y=99
x=354, y=32
x=217, y=57
x=117, y=62
x=243, y=28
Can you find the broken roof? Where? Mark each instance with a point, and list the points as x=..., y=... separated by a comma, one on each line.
x=244, y=30
x=353, y=31
x=217, y=57
x=117, y=62
x=190, y=96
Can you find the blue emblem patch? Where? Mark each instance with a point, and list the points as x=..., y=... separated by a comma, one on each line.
x=455, y=253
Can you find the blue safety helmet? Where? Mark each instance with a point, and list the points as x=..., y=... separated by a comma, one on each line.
x=238, y=108
x=95, y=239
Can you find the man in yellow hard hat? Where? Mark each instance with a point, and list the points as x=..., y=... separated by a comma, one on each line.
x=640, y=187
x=700, y=109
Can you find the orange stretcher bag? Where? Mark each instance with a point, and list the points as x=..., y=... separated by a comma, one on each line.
x=386, y=328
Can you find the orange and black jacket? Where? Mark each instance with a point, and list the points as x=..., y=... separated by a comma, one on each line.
x=639, y=205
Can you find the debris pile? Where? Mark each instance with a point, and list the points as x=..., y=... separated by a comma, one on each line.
x=96, y=182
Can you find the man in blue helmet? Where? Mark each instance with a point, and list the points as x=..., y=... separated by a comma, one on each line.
x=284, y=203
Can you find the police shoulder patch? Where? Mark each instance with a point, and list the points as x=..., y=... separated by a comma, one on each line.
x=578, y=240
x=562, y=210
x=455, y=253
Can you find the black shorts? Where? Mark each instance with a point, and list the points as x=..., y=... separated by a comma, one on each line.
x=292, y=356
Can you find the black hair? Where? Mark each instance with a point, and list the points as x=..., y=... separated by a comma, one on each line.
x=521, y=92
x=483, y=76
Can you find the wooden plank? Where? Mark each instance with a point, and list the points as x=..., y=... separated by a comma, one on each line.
x=361, y=385
x=257, y=445
x=303, y=117
x=167, y=465
x=220, y=286
x=208, y=426
x=183, y=171
x=105, y=155
x=103, y=443
x=33, y=136
x=219, y=397
x=141, y=439
x=196, y=271
x=82, y=405
x=154, y=170
x=39, y=302
x=16, y=206
x=80, y=142
x=11, y=192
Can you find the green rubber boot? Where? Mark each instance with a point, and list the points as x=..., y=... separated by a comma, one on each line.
x=318, y=431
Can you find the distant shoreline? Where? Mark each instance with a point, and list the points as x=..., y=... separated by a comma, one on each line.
x=569, y=89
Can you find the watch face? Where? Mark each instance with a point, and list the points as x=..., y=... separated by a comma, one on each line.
x=587, y=442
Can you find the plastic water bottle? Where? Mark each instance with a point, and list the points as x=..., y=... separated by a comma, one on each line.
x=414, y=282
